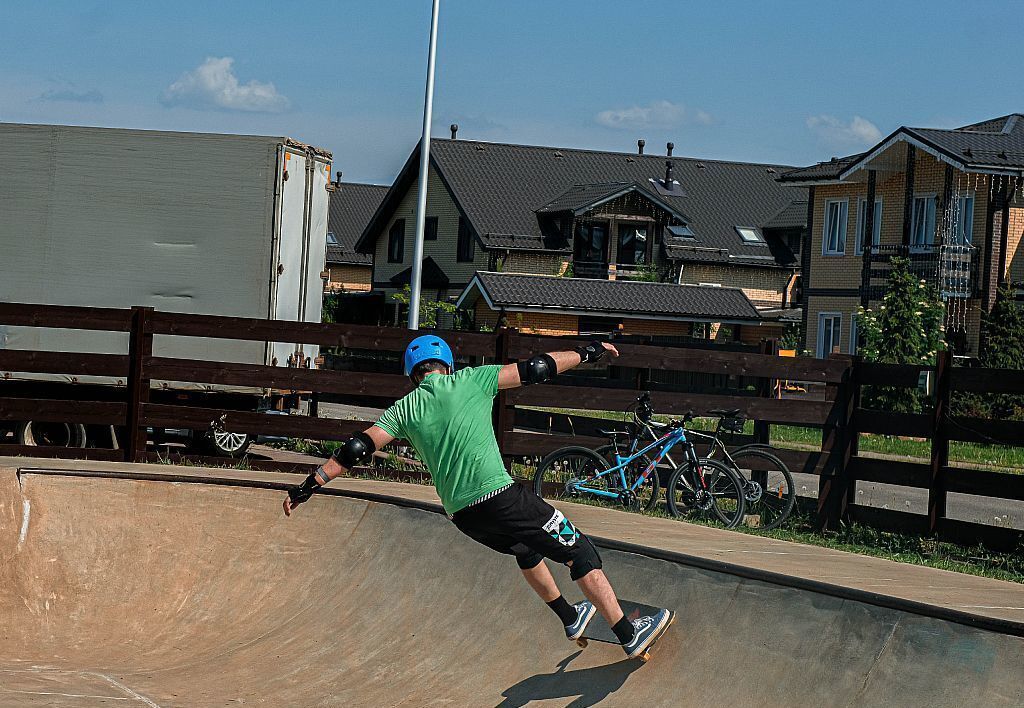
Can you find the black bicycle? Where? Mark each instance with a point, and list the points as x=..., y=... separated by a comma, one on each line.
x=768, y=488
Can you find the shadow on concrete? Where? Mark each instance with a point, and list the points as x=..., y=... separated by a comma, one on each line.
x=590, y=686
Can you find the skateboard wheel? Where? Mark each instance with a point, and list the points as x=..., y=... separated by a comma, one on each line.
x=581, y=643
x=645, y=657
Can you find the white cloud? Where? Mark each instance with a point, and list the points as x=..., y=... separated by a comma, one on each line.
x=213, y=84
x=658, y=114
x=858, y=131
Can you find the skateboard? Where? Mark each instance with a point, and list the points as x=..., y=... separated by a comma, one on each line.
x=599, y=631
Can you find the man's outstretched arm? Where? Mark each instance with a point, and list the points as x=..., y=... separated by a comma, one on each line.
x=357, y=449
x=546, y=366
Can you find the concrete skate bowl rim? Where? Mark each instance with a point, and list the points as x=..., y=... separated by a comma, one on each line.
x=991, y=624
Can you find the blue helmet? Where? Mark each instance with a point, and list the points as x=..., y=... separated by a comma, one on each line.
x=428, y=348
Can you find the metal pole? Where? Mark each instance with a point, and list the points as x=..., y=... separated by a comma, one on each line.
x=421, y=196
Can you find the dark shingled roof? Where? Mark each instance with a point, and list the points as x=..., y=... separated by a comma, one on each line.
x=501, y=187
x=351, y=207
x=791, y=216
x=627, y=297
x=997, y=144
x=432, y=277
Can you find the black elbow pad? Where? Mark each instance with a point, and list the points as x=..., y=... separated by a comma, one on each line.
x=537, y=369
x=357, y=449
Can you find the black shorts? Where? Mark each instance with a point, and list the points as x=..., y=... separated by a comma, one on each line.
x=519, y=523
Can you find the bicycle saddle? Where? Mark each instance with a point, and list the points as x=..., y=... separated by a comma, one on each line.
x=732, y=413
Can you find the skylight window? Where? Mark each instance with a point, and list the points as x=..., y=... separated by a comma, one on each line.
x=682, y=231
x=332, y=239
x=749, y=234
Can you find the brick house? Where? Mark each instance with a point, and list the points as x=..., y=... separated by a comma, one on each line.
x=609, y=216
x=351, y=207
x=949, y=200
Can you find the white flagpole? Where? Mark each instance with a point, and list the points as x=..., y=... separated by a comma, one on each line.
x=421, y=196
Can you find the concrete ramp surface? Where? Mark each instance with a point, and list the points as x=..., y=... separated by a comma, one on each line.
x=128, y=592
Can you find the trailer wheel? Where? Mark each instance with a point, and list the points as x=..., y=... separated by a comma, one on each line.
x=227, y=444
x=40, y=434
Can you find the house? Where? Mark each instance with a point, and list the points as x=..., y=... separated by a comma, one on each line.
x=351, y=207
x=948, y=200
x=546, y=211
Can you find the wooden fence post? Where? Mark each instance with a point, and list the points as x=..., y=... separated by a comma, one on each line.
x=502, y=413
x=940, y=441
x=834, y=484
x=765, y=389
x=140, y=346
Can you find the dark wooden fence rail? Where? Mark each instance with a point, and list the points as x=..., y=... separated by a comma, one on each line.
x=523, y=431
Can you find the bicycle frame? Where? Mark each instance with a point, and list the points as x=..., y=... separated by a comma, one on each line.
x=664, y=443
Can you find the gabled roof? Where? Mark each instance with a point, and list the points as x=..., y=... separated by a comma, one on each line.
x=499, y=188
x=791, y=216
x=581, y=198
x=991, y=146
x=351, y=206
x=432, y=277
x=625, y=298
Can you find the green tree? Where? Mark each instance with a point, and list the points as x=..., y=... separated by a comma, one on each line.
x=907, y=328
x=1002, y=332
x=647, y=273
x=429, y=309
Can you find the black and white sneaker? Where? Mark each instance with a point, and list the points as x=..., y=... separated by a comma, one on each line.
x=584, y=613
x=646, y=630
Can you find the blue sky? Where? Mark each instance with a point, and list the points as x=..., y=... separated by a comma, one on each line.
x=787, y=82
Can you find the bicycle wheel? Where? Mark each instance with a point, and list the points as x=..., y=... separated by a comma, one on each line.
x=715, y=492
x=769, y=488
x=567, y=465
x=646, y=495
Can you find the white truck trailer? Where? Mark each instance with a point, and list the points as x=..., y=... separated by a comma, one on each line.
x=231, y=225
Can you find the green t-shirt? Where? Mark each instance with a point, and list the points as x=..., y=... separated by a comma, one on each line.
x=448, y=420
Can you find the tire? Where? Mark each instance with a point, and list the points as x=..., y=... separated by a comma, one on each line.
x=726, y=502
x=647, y=494
x=575, y=462
x=226, y=444
x=776, y=489
x=41, y=434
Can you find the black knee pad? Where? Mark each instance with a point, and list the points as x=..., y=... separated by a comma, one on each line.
x=529, y=560
x=585, y=559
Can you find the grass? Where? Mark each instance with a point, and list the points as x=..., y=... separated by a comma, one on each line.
x=1001, y=457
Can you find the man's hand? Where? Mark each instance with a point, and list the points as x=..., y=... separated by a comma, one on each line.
x=595, y=351
x=610, y=349
x=300, y=493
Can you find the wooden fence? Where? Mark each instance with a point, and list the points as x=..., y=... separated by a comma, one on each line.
x=135, y=407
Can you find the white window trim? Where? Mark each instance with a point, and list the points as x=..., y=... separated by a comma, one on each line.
x=858, y=242
x=824, y=228
x=913, y=225
x=853, y=334
x=959, y=206
x=710, y=285
x=822, y=354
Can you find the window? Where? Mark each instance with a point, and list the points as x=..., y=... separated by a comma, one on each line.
x=396, y=242
x=794, y=241
x=591, y=242
x=467, y=246
x=922, y=225
x=749, y=234
x=632, y=245
x=964, y=234
x=830, y=325
x=853, y=334
x=332, y=240
x=834, y=235
x=430, y=229
x=682, y=231
x=599, y=325
x=876, y=227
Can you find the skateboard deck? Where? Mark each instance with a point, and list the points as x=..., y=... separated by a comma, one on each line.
x=599, y=631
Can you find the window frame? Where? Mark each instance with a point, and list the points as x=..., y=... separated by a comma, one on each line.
x=397, y=228
x=430, y=228
x=958, y=233
x=853, y=335
x=838, y=334
x=840, y=249
x=933, y=198
x=758, y=236
x=876, y=236
x=465, y=247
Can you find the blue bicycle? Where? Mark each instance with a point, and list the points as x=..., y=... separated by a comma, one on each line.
x=702, y=487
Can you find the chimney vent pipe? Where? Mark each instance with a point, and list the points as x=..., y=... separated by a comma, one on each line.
x=670, y=147
x=640, y=146
x=455, y=130
x=668, y=175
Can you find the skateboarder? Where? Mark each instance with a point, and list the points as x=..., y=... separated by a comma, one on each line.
x=447, y=418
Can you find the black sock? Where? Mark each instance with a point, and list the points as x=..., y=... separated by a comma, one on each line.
x=565, y=611
x=624, y=630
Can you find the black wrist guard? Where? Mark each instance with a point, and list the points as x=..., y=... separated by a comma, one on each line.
x=302, y=492
x=592, y=352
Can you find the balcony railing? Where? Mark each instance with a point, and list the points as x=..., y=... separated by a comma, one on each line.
x=950, y=269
